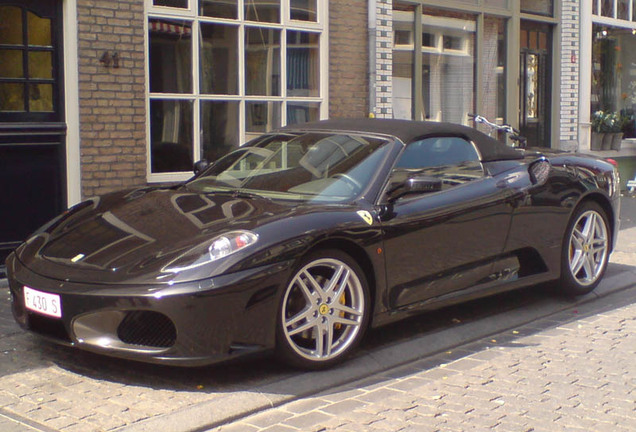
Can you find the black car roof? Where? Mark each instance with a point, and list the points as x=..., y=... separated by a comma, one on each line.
x=408, y=131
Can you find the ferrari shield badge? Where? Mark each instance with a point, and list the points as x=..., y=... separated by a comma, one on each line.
x=366, y=216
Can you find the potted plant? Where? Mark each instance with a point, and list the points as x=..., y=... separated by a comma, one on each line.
x=597, y=130
x=615, y=129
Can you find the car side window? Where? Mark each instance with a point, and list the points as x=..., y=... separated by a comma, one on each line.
x=451, y=159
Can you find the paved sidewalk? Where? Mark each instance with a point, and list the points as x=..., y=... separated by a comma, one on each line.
x=573, y=371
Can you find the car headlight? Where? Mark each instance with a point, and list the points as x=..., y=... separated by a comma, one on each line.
x=220, y=247
x=230, y=243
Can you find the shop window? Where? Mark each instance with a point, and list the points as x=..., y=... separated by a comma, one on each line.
x=446, y=78
x=216, y=81
x=613, y=94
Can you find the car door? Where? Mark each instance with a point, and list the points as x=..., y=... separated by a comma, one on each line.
x=440, y=243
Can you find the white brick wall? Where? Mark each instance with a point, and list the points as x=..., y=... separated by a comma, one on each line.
x=384, y=59
x=570, y=65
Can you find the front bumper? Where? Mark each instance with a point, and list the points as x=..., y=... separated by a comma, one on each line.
x=189, y=324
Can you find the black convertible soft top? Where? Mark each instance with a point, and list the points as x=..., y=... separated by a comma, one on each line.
x=408, y=131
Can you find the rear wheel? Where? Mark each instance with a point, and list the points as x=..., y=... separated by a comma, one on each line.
x=323, y=312
x=585, y=250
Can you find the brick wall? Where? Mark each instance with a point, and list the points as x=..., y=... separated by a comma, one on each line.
x=348, y=58
x=384, y=59
x=570, y=48
x=112, y=106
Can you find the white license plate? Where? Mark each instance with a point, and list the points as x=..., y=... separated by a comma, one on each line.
x=41, y=302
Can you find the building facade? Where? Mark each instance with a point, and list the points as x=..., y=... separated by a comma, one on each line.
x=558, y=70
x=97, y=96
x=498, y=58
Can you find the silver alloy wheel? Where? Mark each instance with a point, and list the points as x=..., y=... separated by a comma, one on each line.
x=323, y=309
x=588, y=248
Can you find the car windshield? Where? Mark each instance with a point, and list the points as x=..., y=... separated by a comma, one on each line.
x=331, y=167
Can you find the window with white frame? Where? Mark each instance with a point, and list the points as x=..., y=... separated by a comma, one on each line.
x=618, y=9
x=221, y=72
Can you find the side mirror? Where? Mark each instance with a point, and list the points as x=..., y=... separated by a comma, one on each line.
x=415, y=185
x=539, y=171
x=200, y=166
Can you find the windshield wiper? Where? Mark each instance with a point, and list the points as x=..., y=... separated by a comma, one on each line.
x=237, y=193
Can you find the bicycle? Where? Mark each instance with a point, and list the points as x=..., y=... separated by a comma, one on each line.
x=513, y=134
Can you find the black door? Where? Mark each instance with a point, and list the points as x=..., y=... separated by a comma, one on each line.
x=32, y=128
x=442, y=243
x=535, y=83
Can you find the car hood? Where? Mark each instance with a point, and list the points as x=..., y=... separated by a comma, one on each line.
x=132, y=237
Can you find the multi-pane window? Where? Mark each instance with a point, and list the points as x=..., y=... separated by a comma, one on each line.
x=435, y=65
x=613, y=74
x=27, y=64
x=224, y=71
x=619, y=9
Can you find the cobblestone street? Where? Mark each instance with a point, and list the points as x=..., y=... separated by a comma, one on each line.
x=571, y=371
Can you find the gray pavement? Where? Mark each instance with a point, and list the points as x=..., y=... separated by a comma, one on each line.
x=571, y=371
x=519, y=361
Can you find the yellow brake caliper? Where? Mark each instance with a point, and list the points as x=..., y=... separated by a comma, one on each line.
x=342, y=301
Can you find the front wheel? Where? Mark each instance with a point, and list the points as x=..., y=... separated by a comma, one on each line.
x=323, y=312
x=585, y=250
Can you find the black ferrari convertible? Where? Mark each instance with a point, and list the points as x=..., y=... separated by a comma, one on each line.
x=300, y=240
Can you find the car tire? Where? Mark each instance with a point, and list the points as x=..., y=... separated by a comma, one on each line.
x=586, y=249
x=323, y=312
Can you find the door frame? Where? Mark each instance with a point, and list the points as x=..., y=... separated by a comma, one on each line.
x=71, y=102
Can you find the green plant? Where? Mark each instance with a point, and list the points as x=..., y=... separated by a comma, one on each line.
x=607, y=122
x=597, y=121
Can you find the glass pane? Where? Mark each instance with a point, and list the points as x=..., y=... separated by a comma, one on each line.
x=262, y=10
x=262, y=61
x=607, y=8
x=623, y=9
x=402, y=84
x=170, y=56
x=219, y=63
x=613, y=95
x=303, y=10
x=171, y=3
x=39, y=30
x=11, y=97
x=496, y=3
x=402, y=97
x=262, y=116
x=532, y=86
x=541, y=7
x=302, y=112
x=219, y=128
x=219, y=8
x=41, y=97
x=448, y=77
x=494, y=76
x=40, y=64
x=11, y=64
x=11, y=28
x=303, y=64
x=170, y=135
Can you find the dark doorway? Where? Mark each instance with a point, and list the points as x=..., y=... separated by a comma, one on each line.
x=32, y=128
x=535, y=83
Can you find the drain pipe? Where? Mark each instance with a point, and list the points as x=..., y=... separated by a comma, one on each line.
x=372, y=53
